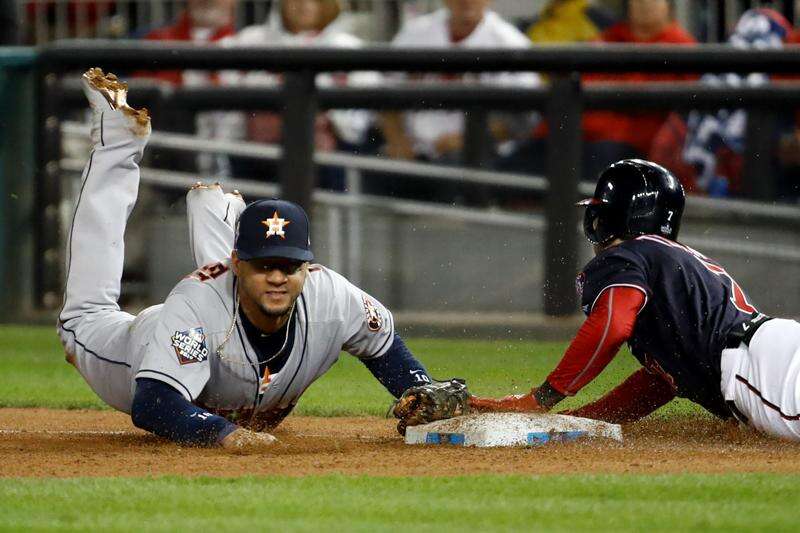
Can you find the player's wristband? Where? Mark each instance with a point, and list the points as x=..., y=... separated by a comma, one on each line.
x=547, y=396
x=397, y=369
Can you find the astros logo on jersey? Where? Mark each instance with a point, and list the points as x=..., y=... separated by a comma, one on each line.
x=275, y=226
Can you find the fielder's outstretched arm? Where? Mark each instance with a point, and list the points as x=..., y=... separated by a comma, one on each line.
x=397, y=369
x=161, y=409
x=177, y=357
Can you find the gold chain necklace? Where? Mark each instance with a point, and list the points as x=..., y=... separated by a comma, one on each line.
x=220, y=352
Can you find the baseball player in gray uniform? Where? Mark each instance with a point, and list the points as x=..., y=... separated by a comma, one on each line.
x=229, y=353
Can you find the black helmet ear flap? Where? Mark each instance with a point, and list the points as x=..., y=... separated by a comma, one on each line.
x=598, y=224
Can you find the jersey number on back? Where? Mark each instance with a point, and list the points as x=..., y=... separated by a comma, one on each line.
x=738, y=298
x=208, y=272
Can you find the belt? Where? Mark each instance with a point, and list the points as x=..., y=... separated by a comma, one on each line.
x=744, y=332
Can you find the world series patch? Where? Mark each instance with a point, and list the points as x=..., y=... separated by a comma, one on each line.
x=190, y=346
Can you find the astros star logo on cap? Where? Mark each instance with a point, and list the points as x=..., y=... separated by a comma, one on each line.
x=275, y=226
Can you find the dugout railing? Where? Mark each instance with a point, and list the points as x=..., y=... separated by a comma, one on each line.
x=562, y=103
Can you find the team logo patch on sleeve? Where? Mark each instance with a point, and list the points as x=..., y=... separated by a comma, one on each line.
x=190, y=346
x=374, y=320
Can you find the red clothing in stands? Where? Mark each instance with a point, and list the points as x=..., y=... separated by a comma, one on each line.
x=636, y=129
x=180, y=31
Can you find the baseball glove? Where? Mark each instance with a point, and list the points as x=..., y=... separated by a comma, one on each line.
x=433, y=401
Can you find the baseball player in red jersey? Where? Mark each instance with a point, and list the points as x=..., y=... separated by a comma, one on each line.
x=686, y=320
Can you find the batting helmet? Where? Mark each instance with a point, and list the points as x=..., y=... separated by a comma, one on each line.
x=633, y=197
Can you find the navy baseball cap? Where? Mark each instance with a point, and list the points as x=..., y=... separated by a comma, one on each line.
x=273, y=228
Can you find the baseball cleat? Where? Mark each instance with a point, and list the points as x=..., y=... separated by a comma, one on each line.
x=234, y=196
x=202, y=185
x=106, y=92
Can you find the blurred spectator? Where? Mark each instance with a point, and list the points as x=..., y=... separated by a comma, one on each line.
x=203, y=21
x=789, y=148
x=438, y=135
x=611, y=135
x=305, y=23
x=566, y=21
x=9, y=23
x=706, y=150
x=82, y=19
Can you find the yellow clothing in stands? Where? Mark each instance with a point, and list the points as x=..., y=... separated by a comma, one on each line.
x=566, y=21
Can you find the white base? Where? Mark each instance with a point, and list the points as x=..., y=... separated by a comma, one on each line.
x=510, y=429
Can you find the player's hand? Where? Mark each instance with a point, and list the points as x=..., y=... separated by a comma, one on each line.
x=516, y=403
x=245, y=441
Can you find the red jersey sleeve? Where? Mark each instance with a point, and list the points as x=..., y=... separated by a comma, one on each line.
x=635, y=398
x=609, y=324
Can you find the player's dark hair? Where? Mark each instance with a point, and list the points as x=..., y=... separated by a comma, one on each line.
x=634, y=197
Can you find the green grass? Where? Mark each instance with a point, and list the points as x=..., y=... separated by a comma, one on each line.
x=337, y=503
x=33, y=373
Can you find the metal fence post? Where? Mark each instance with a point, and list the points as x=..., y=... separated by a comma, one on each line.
x=477, y=141
x=477, y=152
x=296, y=170
x=759, y=172
x=563, y=113
x=48, y=276
x=17, y=163
x=353, y=217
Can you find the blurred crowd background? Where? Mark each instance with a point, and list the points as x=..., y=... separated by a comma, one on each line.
x=704, y=149
x=422, y=205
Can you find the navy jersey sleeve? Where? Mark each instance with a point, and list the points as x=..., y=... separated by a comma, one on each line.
x=161, y=409
x=397, y=369
x=615, y=267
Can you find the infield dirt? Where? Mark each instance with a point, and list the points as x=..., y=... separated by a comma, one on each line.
x=59, y=443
